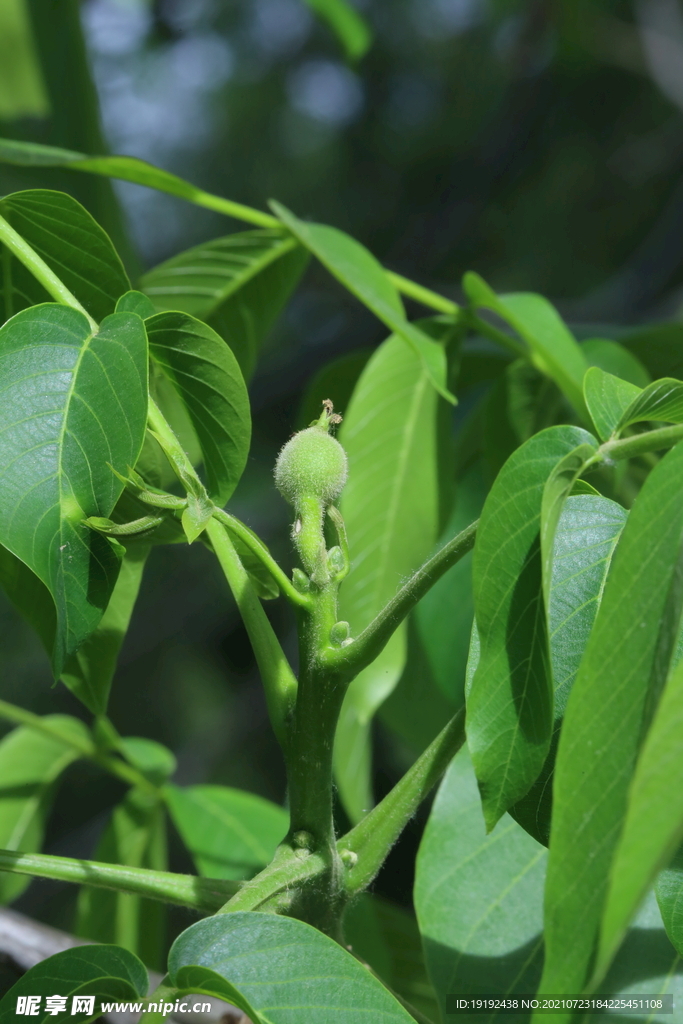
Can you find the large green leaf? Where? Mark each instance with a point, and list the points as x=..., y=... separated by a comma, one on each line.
x=478, y=897
x=360, y=272
x=661, y=400
x=586, y=536
x=237, y=284
x=653, y=827
x=510, y=703
x=72, y=244
x=30, y=762
x=352, y=31
x=107, y=972
x=136, y=837
x=89, y=672
x=622, y=672
x=391, y=509
x=229, y=833
x=553, y=348
x=74, y=405
x=205, y=375
x=280, y=969
x=386, y=936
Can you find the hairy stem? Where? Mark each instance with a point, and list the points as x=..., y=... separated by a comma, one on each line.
x=40, y=270
x=372, y=839
x=257, y=548
x=205, y=894
x=353, y=659
x=640, y=444
x=279, y=682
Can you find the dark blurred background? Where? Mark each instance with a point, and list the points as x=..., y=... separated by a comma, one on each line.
x=539, y=142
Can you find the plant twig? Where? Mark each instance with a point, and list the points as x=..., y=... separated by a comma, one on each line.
x=356, y=656
x=205, y=894
x=372, y=838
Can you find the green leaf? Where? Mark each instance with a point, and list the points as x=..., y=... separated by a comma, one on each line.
x=352, y=30
x=659, y=347
x=607, y=398
x=72, y=244
x=653, y=827
x=230, y=833
x=238, y=285
x=156, y=762
x=391, y=510
x=136, y=302
x=135, y=836
x=205, y=375
x=89, y=672
x=553, y=348
x=281, y=969
x=622, y=672
x=585, y=539
x=22, y=89
x=510, y=703
x=386, y=936
x=74, y=405
x=30, y=763
x=107, y=972
x=262, y=581
x=614, y=358
x=661, y=400
x=360, y=272
x=478, y=897
x=669, y=889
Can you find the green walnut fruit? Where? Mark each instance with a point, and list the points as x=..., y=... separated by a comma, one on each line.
x=311, y=465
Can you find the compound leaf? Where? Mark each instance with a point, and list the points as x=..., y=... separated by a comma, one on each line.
x=73, y=405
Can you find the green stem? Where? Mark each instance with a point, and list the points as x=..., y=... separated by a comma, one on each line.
x=495, y=334
x=237, y=210
x=265, y=557
x=424, y=295
x=640, y=444
x=175, y=452
x=40, y=270
x=279, y=879
x=340, y=526
x=371, y=840
x=204, y=894
x=279, y=682
x=355, y=657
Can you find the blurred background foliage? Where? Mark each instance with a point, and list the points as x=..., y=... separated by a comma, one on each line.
x=539, y=142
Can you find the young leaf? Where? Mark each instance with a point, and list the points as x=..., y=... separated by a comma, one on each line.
x=352, y=31
x=156, y=762
x=478, y=897
x=229, y=833
x=107, y=972
x=617, y=686
x=135, y=302
x=279, y=969
x=553, y=348
x=74, y=405
x=661, y=400
x=205, y=375
x=238, y=285
x=391, y=510
x=510, y=703
x=30, y=762
x=386, y=936
x=607, y=398
x=72, y=244
x=585, y=539
x=359, y=271
x=89, y=672
x=653, y=827
x=135, y=836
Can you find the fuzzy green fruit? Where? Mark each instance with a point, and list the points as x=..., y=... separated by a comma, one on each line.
x=311, y=465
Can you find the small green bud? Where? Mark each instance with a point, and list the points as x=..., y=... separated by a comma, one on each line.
x=348, y=858
x=303, y=839
x=335, y=560
x=339, y=633
x=301, y=581
x=311, y=465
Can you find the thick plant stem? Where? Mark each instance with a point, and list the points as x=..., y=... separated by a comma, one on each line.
x=640, y=444
x=40, y=270
x=353, y=659
x=279, y=682
x=364, y=849
x=205, y=894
